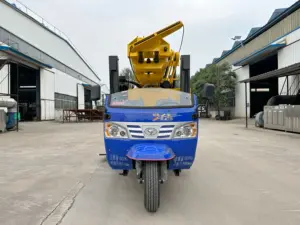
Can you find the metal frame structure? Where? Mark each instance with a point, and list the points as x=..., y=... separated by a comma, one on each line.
x=82, y=115
x=291, y=70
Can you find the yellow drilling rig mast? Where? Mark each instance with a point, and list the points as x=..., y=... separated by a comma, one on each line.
x=152, y=58
x=153, y=62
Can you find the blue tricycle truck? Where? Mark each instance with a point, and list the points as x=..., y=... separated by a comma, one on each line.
x=151, y=131
x=151, y=118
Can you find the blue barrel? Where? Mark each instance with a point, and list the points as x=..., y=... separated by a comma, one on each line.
x=11, y=120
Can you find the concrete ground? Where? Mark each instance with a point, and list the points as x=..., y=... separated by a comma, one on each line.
x=51, y=174
x=43, y=166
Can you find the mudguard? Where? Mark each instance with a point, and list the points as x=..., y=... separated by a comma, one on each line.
x=150, y=152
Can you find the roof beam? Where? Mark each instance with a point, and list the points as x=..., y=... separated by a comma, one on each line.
x=283, y=72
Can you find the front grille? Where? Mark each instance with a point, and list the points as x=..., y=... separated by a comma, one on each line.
x=137, y=131
x=165, y=131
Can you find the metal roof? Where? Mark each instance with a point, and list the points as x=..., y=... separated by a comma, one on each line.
x=235, y=44
x=214, y=60
x=276, y=13
x=283, y=72
x=22, y=46
x=20, y=54
x=271, y=23
x=260, y=54
x=224, y=52
x=58, y=34
x=253, y=30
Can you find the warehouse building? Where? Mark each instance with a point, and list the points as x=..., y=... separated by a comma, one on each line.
x=273, y=47
x=40, y=67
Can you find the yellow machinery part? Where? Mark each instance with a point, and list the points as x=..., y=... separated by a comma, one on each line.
x=152, y=59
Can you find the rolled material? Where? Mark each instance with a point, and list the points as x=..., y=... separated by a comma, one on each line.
x=9, y=103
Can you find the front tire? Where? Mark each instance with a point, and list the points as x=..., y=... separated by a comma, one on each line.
x=152, y=193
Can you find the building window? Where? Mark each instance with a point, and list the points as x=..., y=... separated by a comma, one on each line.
x=63, y=101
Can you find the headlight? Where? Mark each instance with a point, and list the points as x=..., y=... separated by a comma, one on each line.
x=113, y=130
x=186, y=131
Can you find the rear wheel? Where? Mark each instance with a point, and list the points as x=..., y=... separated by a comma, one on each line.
x=152, y=193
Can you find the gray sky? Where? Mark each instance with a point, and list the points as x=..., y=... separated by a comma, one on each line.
x=100, y=28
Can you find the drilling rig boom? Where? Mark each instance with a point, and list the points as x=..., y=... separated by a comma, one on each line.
x=153, y=61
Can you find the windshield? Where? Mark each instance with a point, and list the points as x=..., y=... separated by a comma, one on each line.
x=151, y=97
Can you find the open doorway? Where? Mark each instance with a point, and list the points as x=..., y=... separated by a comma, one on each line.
x=262, y=91
x=25, y=82
x=87, y=99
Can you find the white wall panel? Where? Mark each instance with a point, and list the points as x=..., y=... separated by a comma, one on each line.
x=40, y=37
x=57, y=81
x=80, y=97
x=4, y=79
x=286, y=57
x=292, y=37
x=242, y=73
x=47, y=110
x=47, y=84
x=67, y=85
x=289, y=55
x=47, y=94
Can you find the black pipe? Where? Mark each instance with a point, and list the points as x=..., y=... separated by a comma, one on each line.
x=18, y=97
x=246, y=92
x=38, y=95
x=8, y=78
x=77, y=95
x=134, y=83
x=287, y=85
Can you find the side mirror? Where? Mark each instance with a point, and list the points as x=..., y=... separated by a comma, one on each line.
x=208, y=91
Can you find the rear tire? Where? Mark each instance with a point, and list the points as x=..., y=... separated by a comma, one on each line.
x=152, y=192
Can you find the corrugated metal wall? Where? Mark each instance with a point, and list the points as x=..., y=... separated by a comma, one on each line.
x=285, y=26
x=289, y=56
x=31, y=38
x=22, y=46
x=68, y=85
x=56, y=81
x=81, y=104
x=4, y=79
x=63, y=101
x=47, y=94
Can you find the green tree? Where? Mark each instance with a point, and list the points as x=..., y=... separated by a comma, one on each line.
x=222, y=77
x=127, y=72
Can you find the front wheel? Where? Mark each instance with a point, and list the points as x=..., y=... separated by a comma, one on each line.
x=152, y=194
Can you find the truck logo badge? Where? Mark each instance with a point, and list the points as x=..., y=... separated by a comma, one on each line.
x=164, y=117
x=150, y=131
